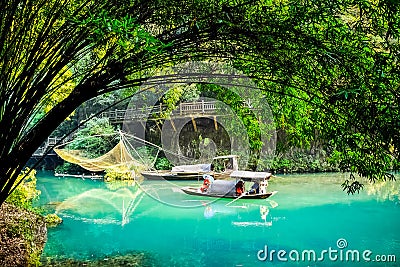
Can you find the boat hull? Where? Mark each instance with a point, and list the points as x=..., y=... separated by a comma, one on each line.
x=150, y=175
x=195, y=191
x=168, y=175
x=82, y=176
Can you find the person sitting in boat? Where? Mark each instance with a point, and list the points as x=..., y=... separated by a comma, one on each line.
x=255, y=188
x=239, y=188
x=208, y=179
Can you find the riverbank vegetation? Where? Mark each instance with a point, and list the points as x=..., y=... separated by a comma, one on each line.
x=25, y=192
x=23, y=231
x=22, y=236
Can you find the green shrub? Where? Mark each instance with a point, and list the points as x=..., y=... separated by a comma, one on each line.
x=163, y=164
x=26, y=191
x=52, y=220
x=25, y=225
x=118, y=174
x=70, y=168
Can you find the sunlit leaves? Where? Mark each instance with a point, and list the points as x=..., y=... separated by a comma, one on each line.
x=26, y=191
x=125, y=34
x=63, y=86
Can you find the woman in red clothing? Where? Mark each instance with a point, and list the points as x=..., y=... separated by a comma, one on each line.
x=206, y=185
x=239, y=188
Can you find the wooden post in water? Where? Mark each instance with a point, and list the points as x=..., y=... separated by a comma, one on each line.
x=194, y=124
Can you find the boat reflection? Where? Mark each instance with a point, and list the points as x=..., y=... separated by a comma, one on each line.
x=252, y=218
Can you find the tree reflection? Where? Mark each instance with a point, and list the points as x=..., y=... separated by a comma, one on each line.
x=384, y=190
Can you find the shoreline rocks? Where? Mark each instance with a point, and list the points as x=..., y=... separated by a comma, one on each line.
x=23, y=235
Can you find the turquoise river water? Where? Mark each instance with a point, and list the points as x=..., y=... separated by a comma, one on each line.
x=309, y=222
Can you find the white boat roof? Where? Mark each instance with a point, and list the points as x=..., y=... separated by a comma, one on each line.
x=192, y=168
x=250, y=175
x=226, y=157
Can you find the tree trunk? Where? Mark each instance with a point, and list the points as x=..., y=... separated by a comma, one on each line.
x=13, y=163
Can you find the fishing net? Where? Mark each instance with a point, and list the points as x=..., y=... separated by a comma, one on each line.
x=123, y=159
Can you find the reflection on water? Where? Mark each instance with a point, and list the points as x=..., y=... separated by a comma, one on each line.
x=264, y=211
x=118, y=206
x=218, y=209
x=385, y=190
x=114, y=206
x=309, y=212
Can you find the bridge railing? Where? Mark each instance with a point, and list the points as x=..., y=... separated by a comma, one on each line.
x=185, y=108
x=51, y=141
x=197, y=107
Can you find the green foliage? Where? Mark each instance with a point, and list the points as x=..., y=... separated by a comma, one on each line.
x=95, y=139
x=252, y=125
x=340, y=82
x=301, y=161
x=69, y=168
x=118, y=173
x=52, y=220
x=162, y=164
x=26, y=191
x=177, y=94
x=125, y=33
x=23, y=236
x=23, y=229
x=146, y=154
x=23, y=196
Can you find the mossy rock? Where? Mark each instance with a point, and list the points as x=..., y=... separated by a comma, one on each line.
x=52, y=220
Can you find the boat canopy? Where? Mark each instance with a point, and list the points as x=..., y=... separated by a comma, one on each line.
x=222, y=187
x=197, y=168
x=226, y=157
x=250, y=176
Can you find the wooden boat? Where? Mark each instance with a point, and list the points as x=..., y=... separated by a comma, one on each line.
x=195, y=191
x=234, y=188
x=226, y=165
x=82, y=176
x=168, y=175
